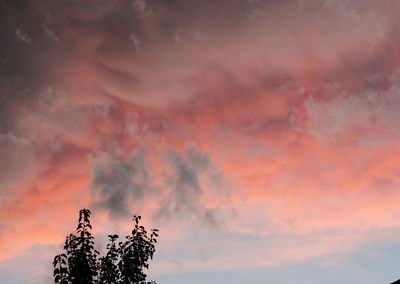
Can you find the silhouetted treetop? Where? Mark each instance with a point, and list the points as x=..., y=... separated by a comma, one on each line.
x=123, y=263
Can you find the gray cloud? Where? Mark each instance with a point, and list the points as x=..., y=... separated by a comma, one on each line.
x=16, y=74
x=120, y=185
x=189, y=170
x=119, y=182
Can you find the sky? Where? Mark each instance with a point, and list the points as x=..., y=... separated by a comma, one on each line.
x=260, y=137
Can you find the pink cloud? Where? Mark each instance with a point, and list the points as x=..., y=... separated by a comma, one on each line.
x=277, y=124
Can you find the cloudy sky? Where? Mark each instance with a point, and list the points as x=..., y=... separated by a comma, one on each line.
x=260, y=137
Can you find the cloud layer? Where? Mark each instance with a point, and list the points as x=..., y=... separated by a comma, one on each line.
x=256, y=120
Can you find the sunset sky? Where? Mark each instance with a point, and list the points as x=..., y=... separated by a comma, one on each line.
x=262, y=138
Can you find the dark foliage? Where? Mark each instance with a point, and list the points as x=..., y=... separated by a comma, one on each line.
x=135, y=253
x=123, y=263
x=109, y=272
x=82, y=258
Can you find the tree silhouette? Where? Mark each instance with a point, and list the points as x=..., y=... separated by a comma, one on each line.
x=61, y=275
x=123, y=263
x=109, y=272
x=82, y=258
x=135, y=253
